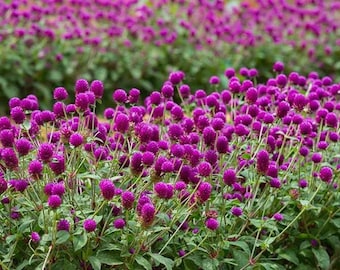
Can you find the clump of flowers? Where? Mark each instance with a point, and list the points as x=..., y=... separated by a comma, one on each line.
x=226, y=178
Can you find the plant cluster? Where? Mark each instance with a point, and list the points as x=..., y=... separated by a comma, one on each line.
x=244, y=177
x=56, y=41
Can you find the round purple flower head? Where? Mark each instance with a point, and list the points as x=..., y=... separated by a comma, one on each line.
x=89, y=225
x=204, y=168
x=45, y=152
x=134, y=94
x=6, y=137
x=57, y=164
x=303, y=183
x=97, y=88
x=214, y=80
x=175, y=77
x=204, y=191
x=119, y=223
x=275, y=183
x=278, y=216
x=82, y=101
x=10, y=158
x=119, y=96
x=63, y=225
x=107, y=189
x=262, y=161
x=122, y=122
x=326, y=174
x=236, y=211
x=229, y=73
x=76, y=139
x=35, y=168
x=60, y=93
x=3, y=185
x=81, y=86
x=167, y=91
x=278, y=66
x=317, y=157
x=18, y=115
x=148, y=214
x=54, y=201
x=128, y=199
x=212, y=224
x=229, y=177
x=35, y=237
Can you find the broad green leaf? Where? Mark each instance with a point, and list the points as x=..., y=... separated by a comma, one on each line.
x=169, y=264
x=322, y=257
x=143, y=262
x=79, y=241
x=62, y=237
x=290, y=256
x=95, y=263
x=336, y=222
x=241, y=258
x=242, y=245
x=109, y=257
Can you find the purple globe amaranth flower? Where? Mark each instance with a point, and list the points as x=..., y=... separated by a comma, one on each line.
x=326, y=174
x=60, y=93
x=81, y=86
x=278, y=66
x=275, y=183
x=303, y=183
x=222, y=144
x=128, y=199
x=89, y=225
x=45, y=152
x=134, y=94
x=119, y=96
x=167, y=91
x=97, y=87
x=122, y=123
x=107, y=189
x=57, y=164
x=214, y=80
x=236, y=211
x=136, y=162
x=3, y=185
x=282, y=109
x=278, y=217
x=167, y=167
x=148, y=212
x=262, y=161
x=82, y=101
x=10, y=158
x=148, y=158
x=175, y=77
x=76, y=139
x=181, y=253
x=317, y=157
x=18, y=115
x=35, y=237
x=63, y=225
x=7, y=137
x=331, y=120
x=204, y=191
x=184, y=91
x=204, y=168
x=119, y=223
x=14, y=102
x=35, y=168
x=58, y=189
x=212, y=224
x=229, y=177
x=54, y=201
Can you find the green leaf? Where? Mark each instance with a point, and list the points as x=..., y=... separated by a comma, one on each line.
x=24, y=225
x=322, y=257
x=336, y=222
x=290, y=255
x=109, y=257
x=143, y=262
x=62, y=237
x=241, y=258
x=169, y=264
x=95, y=263
x=79, y=241
x=243, y=245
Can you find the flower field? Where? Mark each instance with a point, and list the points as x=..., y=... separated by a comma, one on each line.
x=169, y=135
